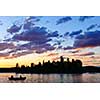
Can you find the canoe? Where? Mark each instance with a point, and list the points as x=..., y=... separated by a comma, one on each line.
x=16, y=78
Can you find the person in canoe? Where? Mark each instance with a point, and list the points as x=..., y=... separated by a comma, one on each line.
x=20, y=76
x=11, y=76
x=16, y=78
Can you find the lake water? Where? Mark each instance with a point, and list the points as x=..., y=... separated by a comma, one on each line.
x=53, y=78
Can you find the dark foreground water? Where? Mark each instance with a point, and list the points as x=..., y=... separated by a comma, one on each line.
x=53, y=78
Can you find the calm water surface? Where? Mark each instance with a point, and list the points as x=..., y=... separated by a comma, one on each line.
x=53, y=78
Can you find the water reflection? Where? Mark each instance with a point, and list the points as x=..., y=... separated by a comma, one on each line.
x=53, y=78
x=77, y=78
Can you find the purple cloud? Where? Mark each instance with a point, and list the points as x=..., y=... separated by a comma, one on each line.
x=66, y=34
x=23, y=53
x=37, y=48
x=30, y=22
x=4, y=46
x=28, y=25
x=38, y=39
x=68, y=48
x=35, y=34
x=63, y=20
x=91, y=27
x=14, y=28
x=89, y=39
x=75, y=33
x=3, y=55
x=15, y=54
x=53, y=34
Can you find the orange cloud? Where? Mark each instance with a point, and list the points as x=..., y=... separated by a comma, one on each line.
x=52, y=54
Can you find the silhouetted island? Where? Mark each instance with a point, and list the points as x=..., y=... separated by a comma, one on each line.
x=62, y=66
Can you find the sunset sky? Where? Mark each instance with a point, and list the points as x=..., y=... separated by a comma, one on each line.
x=26, y=39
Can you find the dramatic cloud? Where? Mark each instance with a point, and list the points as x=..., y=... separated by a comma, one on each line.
x=39, y=48
x=91, y=27
x=63, y=20
x=28, y=25
x=5, y=49
x=35, y=34
x=89, y=39
x=28, y=49
x=38, y=39
x=32, y=37
x=15, y=54
x=53, y=34
x=59, y=47
x=45, y=48
x=4, y=46
x=30, y=22
x=83, y=18
x=23, y=53
x=68, y=48
x=75, y=33
x=14, y=29
x=80, y=36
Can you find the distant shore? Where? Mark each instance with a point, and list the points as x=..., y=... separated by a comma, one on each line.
x=85, y=69
x=56, y=67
